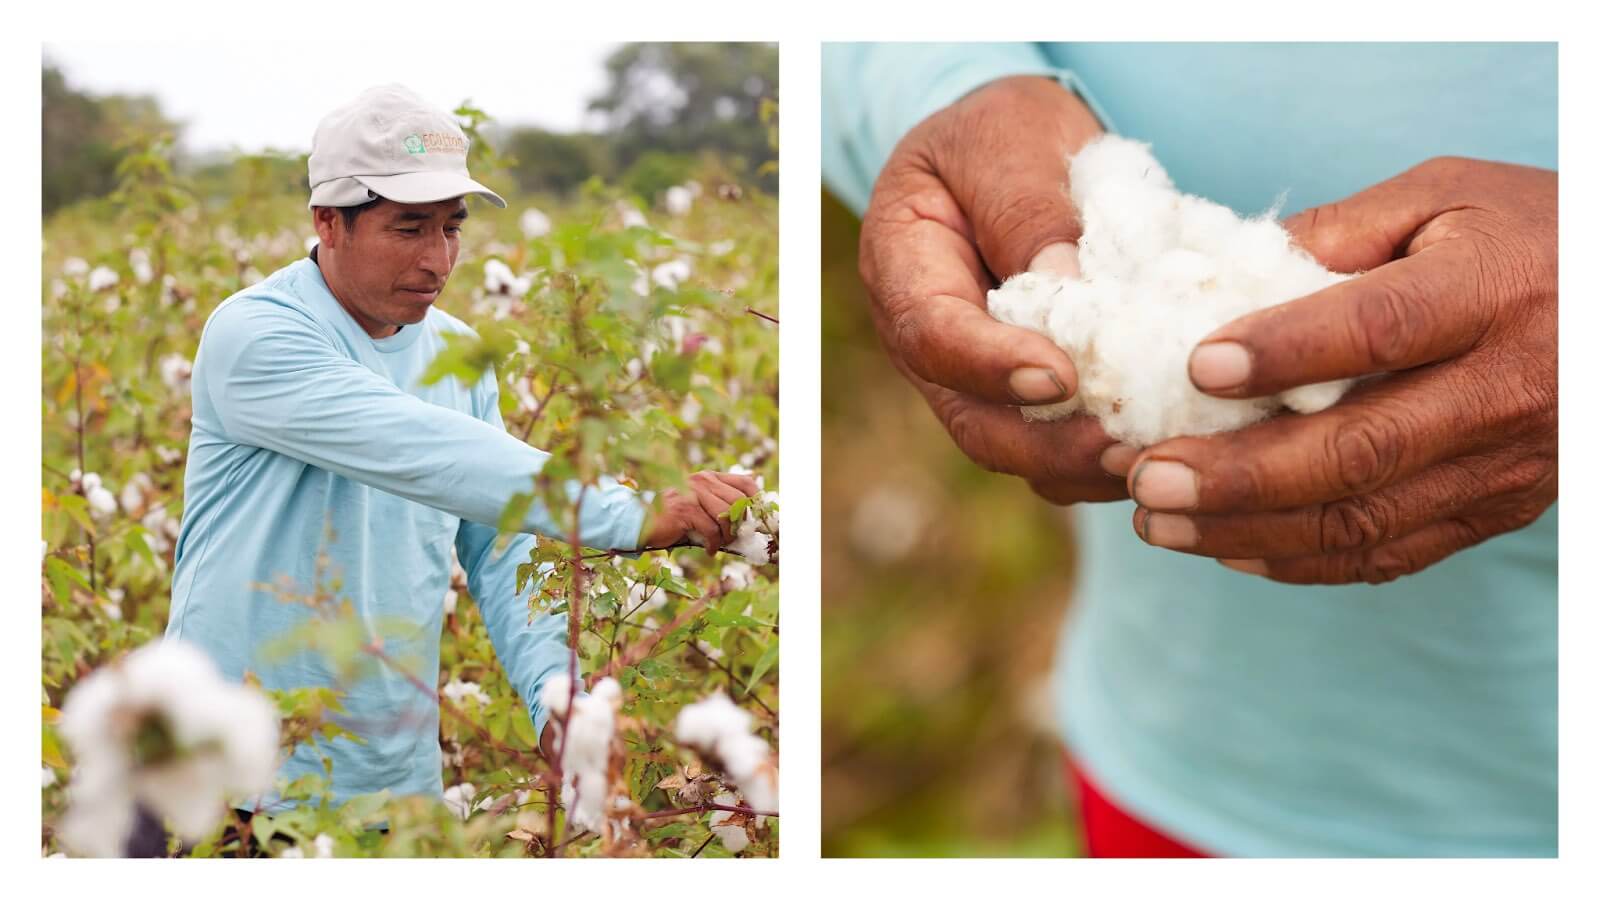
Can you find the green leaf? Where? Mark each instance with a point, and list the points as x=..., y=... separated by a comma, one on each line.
x=523, y=726
x=768, y=658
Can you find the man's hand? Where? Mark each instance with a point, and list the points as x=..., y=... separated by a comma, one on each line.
x=699, y=515
x=1456, y=445
x=973, y=194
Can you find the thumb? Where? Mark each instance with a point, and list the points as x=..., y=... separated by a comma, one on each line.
x=1371, y=227
x=1011, y=180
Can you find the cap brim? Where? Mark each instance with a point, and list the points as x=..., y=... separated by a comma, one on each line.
x=427, y=187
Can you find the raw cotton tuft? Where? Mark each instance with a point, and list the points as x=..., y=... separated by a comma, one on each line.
x=1161, y=270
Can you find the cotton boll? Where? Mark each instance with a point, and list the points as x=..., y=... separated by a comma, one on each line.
x=678, y=200
x=214, y=740
x=101, y=503
x=1160, y=272
x=733, y=837
x=534, y=223
x=102, y=279
x=672, y=273
x=458, y=692
x=459, y=798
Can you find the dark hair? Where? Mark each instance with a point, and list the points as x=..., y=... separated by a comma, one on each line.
x=351, y=213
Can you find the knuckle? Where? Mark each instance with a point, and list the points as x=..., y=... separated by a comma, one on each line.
x=1383, y=565
x=1364, y=452
x=1348, y=524
x=1015, y=222
x=973, y=440
x=1388, y=324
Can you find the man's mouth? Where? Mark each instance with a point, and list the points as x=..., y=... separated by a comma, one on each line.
x=429, y=294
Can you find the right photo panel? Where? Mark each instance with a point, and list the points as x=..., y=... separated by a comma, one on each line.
x=1190, y=450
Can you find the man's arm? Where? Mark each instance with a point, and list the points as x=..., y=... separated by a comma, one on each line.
x=532, y=649
x=278, y=382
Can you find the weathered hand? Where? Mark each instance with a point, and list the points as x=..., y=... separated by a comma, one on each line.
x=975, y=193
x=700, y=513
x=1455, y=445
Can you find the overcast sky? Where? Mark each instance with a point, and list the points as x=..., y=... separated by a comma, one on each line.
x=250, y=96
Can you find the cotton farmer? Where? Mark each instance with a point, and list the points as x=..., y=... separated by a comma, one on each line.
x=313, y=437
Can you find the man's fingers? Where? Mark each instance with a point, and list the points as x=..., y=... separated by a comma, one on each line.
x=1421, y=309
x=998, y=439
x=717, y=509
x=1384, y=430
x=702, y=521
x=1346, y=525
x=744, y=484
x=932, y=312
x=1372, y=227
x=1381, y=564
x=1066, y=493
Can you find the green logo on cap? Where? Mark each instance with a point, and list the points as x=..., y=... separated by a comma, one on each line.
x=414, y=144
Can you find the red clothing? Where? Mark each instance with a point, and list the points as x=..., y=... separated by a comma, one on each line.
x=1109, y=832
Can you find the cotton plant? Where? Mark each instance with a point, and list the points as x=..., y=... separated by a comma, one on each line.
x=163, y=730
x=1160, y=270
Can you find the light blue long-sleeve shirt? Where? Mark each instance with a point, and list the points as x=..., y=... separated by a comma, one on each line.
x=1239, y=715
x=305, y=426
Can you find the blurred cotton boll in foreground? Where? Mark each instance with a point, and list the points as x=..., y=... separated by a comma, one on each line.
x=534, y=223
x=585, y=745
x=162, y=729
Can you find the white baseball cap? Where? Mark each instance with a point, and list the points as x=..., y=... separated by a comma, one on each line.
x=390, y=143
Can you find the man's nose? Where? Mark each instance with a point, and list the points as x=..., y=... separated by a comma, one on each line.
x=435, y=258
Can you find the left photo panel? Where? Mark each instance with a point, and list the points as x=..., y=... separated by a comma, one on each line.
x=410, y=451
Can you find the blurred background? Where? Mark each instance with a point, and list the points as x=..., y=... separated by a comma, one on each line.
x=943, y=590
x=643, y=116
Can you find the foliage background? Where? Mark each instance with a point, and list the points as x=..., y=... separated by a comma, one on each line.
x=707, y=399
x=943, y=592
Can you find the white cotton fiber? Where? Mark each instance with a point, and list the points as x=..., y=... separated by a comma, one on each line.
x=1161, y=270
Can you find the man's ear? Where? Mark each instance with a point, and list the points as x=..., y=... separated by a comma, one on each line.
x=329, y=225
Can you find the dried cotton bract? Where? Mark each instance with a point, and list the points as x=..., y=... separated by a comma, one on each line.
x=162, y=729
x=1160, y=271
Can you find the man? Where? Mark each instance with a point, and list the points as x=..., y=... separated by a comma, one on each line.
x=1230, y=709
x=312, y=435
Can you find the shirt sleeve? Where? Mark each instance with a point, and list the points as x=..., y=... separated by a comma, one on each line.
x=872, y=94
x=280, y=383
x=531, y=648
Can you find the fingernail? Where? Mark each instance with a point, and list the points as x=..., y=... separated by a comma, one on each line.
x=1219, y=365
x=1247, y=566
x=1118, y=459
x=1030, y=385
x=1059, y=259
x=1170, y=531
x=1160, y=484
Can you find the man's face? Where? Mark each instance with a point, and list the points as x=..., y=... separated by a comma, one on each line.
x=390, y=267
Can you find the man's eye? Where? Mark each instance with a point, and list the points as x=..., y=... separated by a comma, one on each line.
x=454, y=229
x=410, y=231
